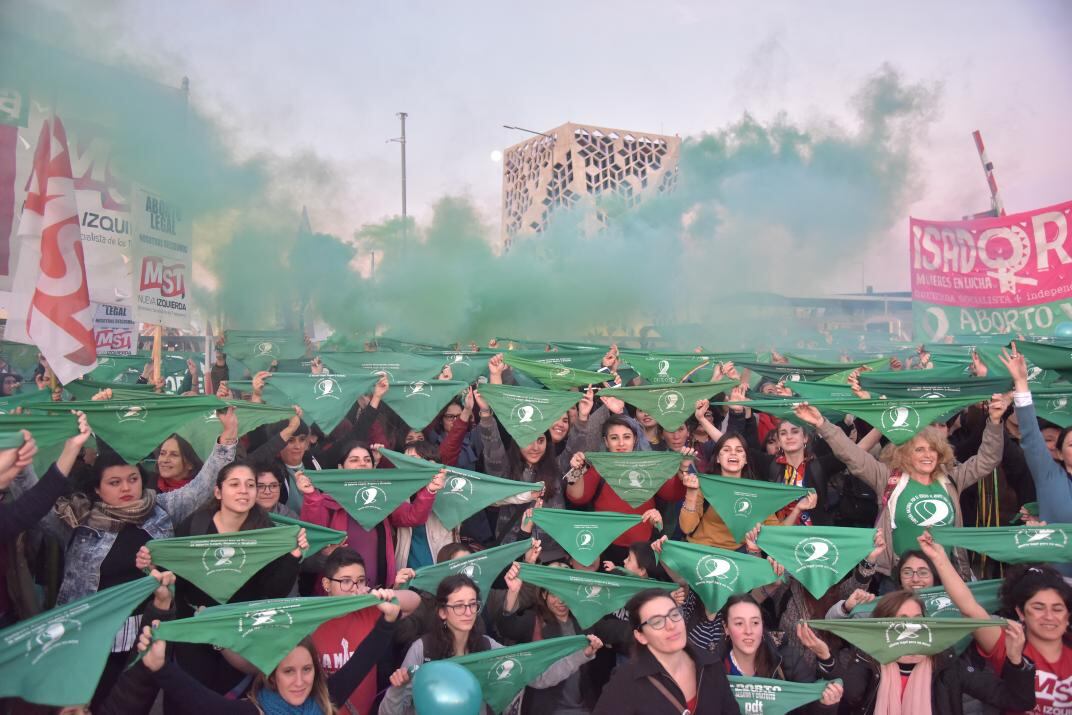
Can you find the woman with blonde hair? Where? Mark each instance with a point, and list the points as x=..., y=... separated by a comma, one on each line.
x=920, y=486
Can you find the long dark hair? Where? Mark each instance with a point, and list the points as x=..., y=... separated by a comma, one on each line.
x=546, y=469
x=438, y=642
x=917, y=554
x=348, y=446
x=1022, y=583
x=764, y=665
x=747, y=472
x=257, y=517
x=632, y=611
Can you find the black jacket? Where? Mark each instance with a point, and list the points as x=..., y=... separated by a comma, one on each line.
x=786, y=665
x=953, y=678
x=629, y=691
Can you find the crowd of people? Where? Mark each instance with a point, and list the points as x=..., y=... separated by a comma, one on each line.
x=93, y=519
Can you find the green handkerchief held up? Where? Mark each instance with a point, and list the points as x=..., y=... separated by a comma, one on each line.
x=887, y=639
x=318, y=536
x=583, y=534
x=370, y=495
x=590, y=595
x=526, y=413
x=1011, y=544
x=817, y=556
x=57, y=657
x=774, y=697
x=669, y=405
x=635, y=476
x=503, y=672
x=483, y=567
x=743, y=503
x=220, y=564
x=716, y=574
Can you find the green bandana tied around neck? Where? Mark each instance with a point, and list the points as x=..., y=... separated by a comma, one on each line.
x=590, y=595
x=817, y=556
x=743, y=503
x=526, y=413
x=418, y=403
x=220, y=564
x=556, y=375
x=503, y=672
x=483, y=567
x=324, y=399
x=1011, y=544
x=635, y=476
x=584, y=534
x=887, y=639
x=465, y=492
x=256, y=349
x=319, y=537
x=774, y=697
x=716, y=574
x=370, y=495
x=938, y=604
x=262, y=632
x=57, y=657
x=670, y=406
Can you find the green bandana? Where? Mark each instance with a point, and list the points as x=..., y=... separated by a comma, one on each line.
x=134, y=429
x=743, y=503
x=822, y=391
x=555, y=374
x=590, y=595
x=1047, y=357
x=256, y=349
x=527, y=413
x=418, y=403
x=20, y=357
x=669, y=406
x=667, y=368
x=57, y=657
x=1011, y=544
x=503, y=672
x=319, y=537
x=483, y=567
x=49, y=432
x=125, y=370
x=11, y=440
x=465, y=492
x=464, y=366
x=1054, y=404
x=716, y=574
x=370, y=495
x=325, y=399
x=397, y=367
x=262, y=632
x=584, y=534
x=635, y=476
x=938, y=604
x=798, y=372
x=931, y=383
x=203, y=430
x=85, y=390
x=1031, y=507
x=220, y=564
x=29, y=399
x=774, y=697
x=887, y=639
x=817, y=556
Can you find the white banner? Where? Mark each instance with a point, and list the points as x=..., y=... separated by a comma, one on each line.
x=115, y=329
x=163, y=260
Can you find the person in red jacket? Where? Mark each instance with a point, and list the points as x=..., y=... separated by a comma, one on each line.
x=587, y=487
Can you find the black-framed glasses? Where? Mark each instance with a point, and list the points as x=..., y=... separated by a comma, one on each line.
x=923, y=572
x=460, y=609
x=347, y=584
x=659, y=622
x=269, y=488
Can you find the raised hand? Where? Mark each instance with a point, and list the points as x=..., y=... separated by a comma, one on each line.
x=403, y=576
x=613, y=404
x=305, y=486
x=513, y=581
x=303, y=544
x=153, y=651
x=999, y=403
x=812, y=642
x=809, y=414
x=594, y=644
x=832, y=694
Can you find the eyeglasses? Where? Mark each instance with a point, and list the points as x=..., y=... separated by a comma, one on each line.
x=460, y=609
x=274, y=487
x=910, y=573
x=346, y=583
x=659, y=622
x=449, y=416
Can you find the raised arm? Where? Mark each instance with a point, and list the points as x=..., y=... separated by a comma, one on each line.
x=859, y=462
x=182, y=502
x=959, y=592
x=987, y=459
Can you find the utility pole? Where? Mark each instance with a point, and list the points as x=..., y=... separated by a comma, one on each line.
x=402, y=140
x=997, y=206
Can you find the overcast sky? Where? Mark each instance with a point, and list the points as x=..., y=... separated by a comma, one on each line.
x=327, y=78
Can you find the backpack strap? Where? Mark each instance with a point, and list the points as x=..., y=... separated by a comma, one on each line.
x=678, y=706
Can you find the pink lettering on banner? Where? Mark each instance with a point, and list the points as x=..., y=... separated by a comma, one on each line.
x=1017, y=260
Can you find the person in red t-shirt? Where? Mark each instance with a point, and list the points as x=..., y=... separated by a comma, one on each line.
x=586, y=486
x=1041, y=599
x=337, y=639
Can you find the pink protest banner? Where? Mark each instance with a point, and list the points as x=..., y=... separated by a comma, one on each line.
x=1009, y=274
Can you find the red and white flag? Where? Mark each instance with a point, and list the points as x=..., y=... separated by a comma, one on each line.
x=54, y=312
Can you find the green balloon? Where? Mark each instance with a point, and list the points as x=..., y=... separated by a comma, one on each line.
x=444, y=688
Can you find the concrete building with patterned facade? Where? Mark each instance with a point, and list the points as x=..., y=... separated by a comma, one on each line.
x=575, y=163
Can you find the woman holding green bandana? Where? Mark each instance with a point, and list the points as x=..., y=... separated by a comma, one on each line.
x=932, y=683
x=921, y=485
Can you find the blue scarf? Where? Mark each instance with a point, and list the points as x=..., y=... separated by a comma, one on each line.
x=272, y=703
